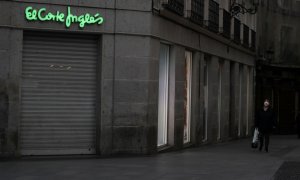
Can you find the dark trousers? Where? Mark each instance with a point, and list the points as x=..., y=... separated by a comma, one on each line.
x=264, y=137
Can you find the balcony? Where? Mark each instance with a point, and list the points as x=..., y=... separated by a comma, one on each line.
x=213, y=16
x=237, y=31
x=176, y=6
x=197, y=11
x=226, y=24
x=246, y=36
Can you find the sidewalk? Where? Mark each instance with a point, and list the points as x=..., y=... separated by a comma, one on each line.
x=228, y=161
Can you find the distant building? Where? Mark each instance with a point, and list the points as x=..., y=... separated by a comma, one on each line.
x=278, y=62
x=123, y=77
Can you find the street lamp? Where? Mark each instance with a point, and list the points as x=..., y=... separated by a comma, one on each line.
x=238, y=8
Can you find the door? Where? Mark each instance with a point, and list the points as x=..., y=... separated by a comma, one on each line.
x=58, y=94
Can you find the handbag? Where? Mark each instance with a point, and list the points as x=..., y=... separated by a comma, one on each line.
x=255, y=138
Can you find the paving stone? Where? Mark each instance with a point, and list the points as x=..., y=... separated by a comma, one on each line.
x=288, y=171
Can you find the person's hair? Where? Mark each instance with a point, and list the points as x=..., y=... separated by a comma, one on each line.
x=268, y=100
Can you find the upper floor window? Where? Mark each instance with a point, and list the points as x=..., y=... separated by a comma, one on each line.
x=287, y=51
x=226, y=24
x=253, y=39
x=176, y=6
x=245, y=35
x=237, y=30
x=286, y=4
x=213, y=19
x=297, y=6
x=197, y=12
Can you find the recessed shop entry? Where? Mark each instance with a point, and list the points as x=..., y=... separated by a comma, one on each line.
x=58, y=94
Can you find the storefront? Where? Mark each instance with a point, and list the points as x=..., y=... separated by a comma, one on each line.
x=54, y=61
x=111, y=78
x=58, y=93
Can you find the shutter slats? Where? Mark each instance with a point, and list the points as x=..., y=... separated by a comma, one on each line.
x=58, y=94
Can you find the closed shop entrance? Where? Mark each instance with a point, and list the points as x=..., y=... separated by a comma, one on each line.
x=58, y=94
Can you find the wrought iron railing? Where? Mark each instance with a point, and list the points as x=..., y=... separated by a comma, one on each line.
x=237, y=31
x=197, y=12
x=246, y=36
x=213, y=19
x=226, y=24
x=176, y=6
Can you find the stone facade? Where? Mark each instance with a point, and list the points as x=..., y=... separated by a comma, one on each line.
x=278, y=62
x=127, y=111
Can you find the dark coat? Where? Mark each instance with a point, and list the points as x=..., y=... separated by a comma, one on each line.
x=298, y=122
x=265, y=120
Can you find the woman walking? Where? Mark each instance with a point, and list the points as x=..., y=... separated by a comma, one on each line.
x=265, y=121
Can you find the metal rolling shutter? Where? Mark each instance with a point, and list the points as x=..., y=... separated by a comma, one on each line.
x=58, y=94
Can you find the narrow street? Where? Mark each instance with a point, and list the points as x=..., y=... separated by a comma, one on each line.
x=232, y=160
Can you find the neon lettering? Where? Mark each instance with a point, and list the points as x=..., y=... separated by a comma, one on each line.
x=30, y=14
x=82, y=20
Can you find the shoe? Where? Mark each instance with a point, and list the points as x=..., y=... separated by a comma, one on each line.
x=267, y=150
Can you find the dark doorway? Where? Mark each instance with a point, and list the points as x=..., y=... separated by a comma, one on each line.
x=286, y=111
x=281, y=86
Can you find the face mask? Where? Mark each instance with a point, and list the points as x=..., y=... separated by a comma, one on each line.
x=266, y=104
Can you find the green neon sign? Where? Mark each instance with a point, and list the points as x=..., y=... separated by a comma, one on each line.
x=68, y=19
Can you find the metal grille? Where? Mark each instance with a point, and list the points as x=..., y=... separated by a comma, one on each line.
x=197, y=12
x=226, y=23
x=58, y=94
x=246, y=36
x=176, y=6
x=213, y=22
x=237, y=31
